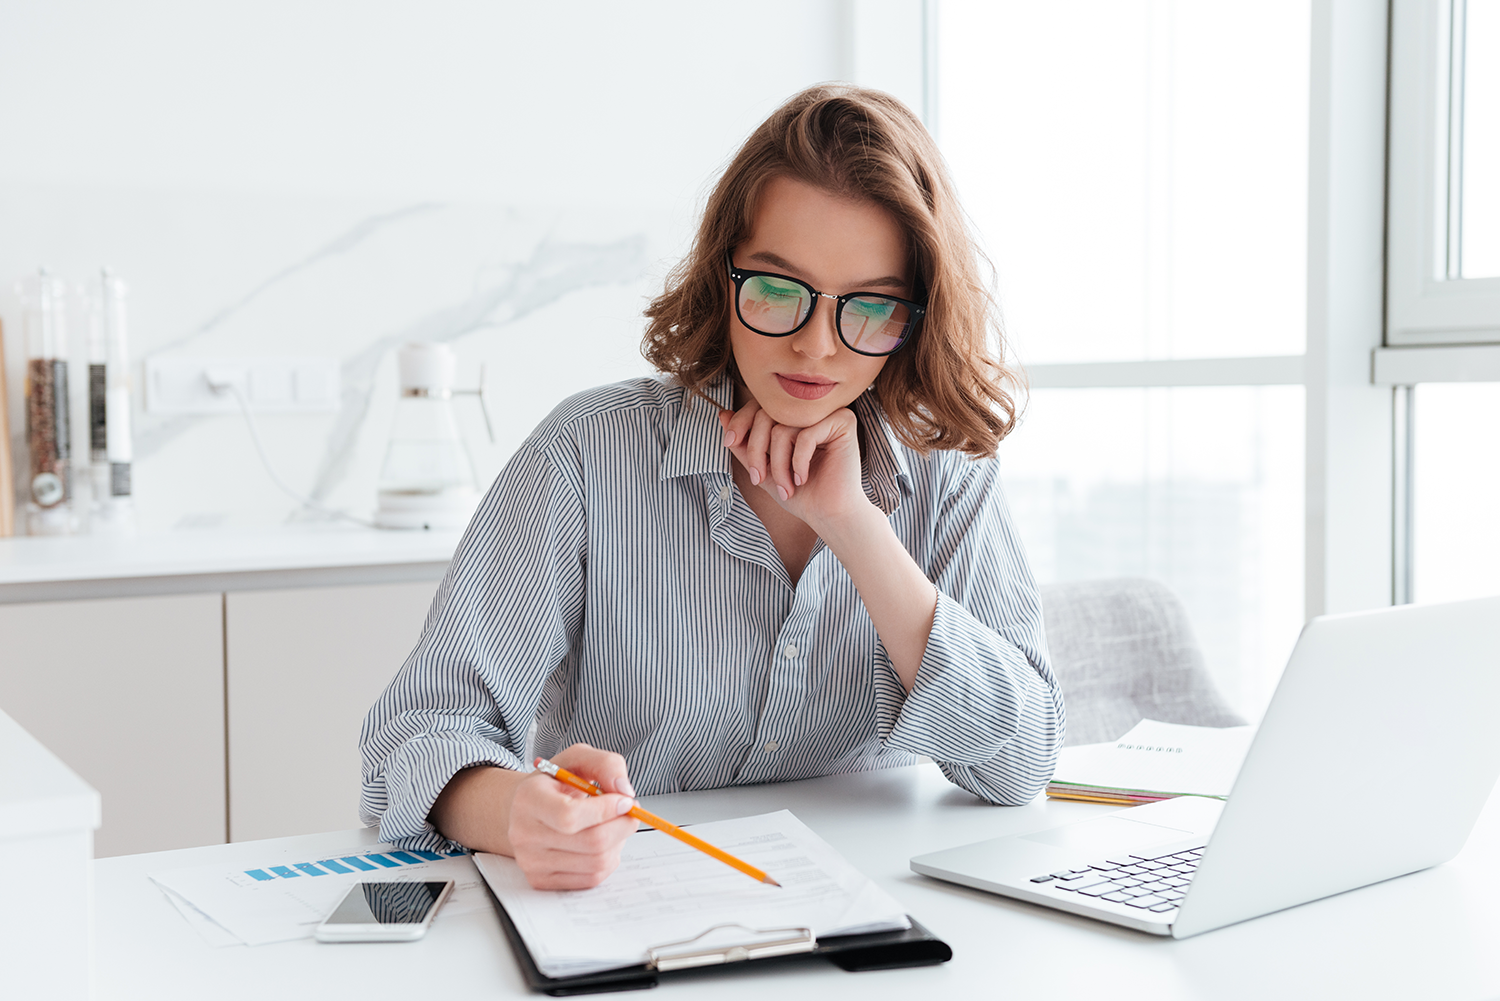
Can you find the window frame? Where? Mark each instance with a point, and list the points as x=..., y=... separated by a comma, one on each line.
x=1425, y=304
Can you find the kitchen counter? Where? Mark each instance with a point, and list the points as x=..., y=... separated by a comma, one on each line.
x=194, y=561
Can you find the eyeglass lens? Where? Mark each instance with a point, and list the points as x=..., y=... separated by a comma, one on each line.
x=873, y=324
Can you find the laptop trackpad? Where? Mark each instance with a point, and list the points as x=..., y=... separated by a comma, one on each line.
x=1104, y=834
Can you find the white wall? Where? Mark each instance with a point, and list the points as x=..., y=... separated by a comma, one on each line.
x=334, y=178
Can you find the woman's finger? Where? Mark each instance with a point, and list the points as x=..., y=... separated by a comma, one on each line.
x=604, y=767
x=810, y=440
x=577, y=862
x=757, y=446
x=779, y=459
x=738, y=426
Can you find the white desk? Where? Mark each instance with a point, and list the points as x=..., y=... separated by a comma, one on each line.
x=1430, y=935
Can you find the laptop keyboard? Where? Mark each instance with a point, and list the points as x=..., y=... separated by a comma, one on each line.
x=1155, y=883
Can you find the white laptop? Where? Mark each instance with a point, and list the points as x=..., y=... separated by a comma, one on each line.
x=1376, y=754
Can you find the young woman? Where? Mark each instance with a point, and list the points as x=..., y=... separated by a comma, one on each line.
x=789, y=558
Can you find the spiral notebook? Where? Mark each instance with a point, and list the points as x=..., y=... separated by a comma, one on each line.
x=670, y=907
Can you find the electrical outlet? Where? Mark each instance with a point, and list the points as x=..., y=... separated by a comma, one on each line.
x=177, y=385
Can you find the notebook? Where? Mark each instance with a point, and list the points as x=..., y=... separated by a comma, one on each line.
x=670, y=907
x=1153, y=761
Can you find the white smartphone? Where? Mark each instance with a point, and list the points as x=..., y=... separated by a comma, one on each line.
x=384, y=912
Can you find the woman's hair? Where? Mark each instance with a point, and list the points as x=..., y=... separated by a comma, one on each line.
x=945, y=387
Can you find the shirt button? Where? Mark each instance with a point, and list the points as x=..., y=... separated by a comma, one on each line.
x=724, y=494
x=789, y=652
x=772, y=747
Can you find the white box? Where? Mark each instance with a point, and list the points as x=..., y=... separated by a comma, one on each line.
x=47, y=820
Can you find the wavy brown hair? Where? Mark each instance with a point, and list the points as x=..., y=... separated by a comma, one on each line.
x=945, y=388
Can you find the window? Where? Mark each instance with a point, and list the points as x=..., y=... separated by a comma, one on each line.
x=1442, y=353
x=1138, y=170
x=1455, y=483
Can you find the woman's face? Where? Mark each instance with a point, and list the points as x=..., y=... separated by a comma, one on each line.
x=835, y=245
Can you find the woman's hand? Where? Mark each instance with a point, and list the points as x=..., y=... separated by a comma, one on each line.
x=564, y=839
x=813, y=472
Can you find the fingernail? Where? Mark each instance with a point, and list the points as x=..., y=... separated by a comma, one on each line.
x=624, y=786
x=781, y=491
x=625, y=806
x=728, y=438
x=755, y=476
x=797, y=479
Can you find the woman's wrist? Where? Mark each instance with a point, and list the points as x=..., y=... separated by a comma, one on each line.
x=474, y=808
x=859, y=524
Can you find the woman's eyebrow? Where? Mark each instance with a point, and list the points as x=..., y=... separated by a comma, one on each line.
x=777, y=261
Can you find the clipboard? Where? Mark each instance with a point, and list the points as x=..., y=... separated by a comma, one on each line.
x=887, y=950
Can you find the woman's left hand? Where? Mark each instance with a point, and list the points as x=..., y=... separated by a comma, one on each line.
x=813, y=472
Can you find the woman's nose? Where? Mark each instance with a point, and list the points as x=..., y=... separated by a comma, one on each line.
x=819, y=339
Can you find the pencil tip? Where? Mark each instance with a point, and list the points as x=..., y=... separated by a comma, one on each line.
x=772, y=881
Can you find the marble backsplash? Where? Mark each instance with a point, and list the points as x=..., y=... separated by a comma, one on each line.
x=547, y=298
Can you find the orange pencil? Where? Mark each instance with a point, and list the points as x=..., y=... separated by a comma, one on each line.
x=652, y=820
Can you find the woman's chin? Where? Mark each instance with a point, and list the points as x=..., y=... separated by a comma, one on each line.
x=798, y=413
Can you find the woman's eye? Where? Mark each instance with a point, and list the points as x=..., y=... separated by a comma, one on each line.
x=872, y=310
x=776, y=293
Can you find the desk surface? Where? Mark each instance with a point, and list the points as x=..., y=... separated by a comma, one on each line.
x=1432, y=934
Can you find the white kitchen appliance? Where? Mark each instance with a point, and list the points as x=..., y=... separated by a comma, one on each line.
x=427, y=480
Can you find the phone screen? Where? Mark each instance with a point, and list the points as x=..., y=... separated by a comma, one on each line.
x=386, y=904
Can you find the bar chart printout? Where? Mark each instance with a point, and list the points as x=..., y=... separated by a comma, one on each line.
x=372, y=862
x=281, y=899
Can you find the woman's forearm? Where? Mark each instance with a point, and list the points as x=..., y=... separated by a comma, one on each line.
x=897, y=594
x=474, y=808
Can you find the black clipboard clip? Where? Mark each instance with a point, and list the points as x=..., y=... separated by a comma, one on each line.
x=682, y=955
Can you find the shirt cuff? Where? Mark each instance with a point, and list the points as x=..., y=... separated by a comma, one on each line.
x=418, y=771
x=972, y=690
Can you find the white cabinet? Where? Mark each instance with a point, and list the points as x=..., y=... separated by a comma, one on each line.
x=304, y=665
x=129, y=693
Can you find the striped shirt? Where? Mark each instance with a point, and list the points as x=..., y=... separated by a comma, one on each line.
x=615, y=589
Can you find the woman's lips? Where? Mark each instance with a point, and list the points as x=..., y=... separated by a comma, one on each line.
x=803, y=387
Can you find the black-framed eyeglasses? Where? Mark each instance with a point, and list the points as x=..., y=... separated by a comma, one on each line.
x=868, y=323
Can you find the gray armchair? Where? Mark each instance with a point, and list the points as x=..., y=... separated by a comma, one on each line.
x=1124, y=651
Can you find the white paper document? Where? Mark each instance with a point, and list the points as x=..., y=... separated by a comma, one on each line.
x=284, y=898
x=1158, y=757
x=665, y=892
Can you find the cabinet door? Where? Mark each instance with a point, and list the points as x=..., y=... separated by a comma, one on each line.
x=305, y=665
x=129, y=693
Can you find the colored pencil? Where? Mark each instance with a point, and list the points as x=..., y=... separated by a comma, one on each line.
x=652, y=820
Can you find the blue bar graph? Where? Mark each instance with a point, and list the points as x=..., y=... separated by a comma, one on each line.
x=373, y=862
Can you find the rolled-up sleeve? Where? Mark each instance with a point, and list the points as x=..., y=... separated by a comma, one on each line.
x=504, y=619
x=985, y=704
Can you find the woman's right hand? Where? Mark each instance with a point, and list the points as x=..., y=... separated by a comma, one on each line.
x=564, y=839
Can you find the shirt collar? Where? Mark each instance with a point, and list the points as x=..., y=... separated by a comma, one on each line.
x=887, y=476
x=696, y=444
